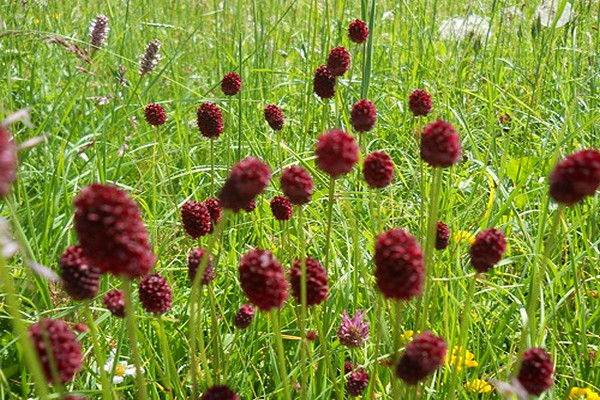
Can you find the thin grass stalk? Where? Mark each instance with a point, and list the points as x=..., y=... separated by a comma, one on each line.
x=155, y=191
x=100, y=361
x=141, y=393
x=280, y=354
x=364, y=89
x=170, y=370
x=212, y=167
x=240, y=61
x=304, y=372
x=329, y=218
x=216, y=337
x=399, y=308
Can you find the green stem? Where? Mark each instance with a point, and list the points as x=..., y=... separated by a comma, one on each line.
x=130, y=319
x=100, y=361
x=216, y=337
x=280, y=354
x=170, y=369
x=329, y=217
x=302, y=320
x=396, y=385
x=212, y=167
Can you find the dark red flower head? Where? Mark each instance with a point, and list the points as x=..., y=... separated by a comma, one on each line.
x=281, y=208
x=115, y=302
x=363, y=115
x=422, y=357
x=196, y=219
x=338, y=61
x=231, y=84
x=337, y=152
x=297, y=184
x=399, y=265
x=442, y=236
x=243, y=318
x=575, y=177
x=213, y=205
x=251, y=206
x=155, y=114
x=220, y=392
x=420, y=103
x=274, y=117
x=324, y=83
x=8, y=161
x=263, y=280
x=210, y=120
x=111, y=232
x=440, y=144
x=79, y=278
x=536, y=371
x=194, y=260
x=155, y=294
x=378, y=170
x=247, y=179
x=357, y=382
x=316, y=281
x=55, y=337
x=358, y=31
x=487, y=250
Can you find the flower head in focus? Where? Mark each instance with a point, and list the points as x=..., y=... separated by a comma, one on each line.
x=122, y=368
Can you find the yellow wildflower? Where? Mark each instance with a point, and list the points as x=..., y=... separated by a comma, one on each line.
x=478, y=386
x=463, y=236
x=583, y=393
x=407, y=336
x=455, y=358
x=593, y=293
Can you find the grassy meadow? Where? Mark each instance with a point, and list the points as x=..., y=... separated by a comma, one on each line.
x=521, y=95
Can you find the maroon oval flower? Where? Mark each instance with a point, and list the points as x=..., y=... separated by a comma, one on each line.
x=442, y=236
x=210, y=120
x=213, y=205
x=194, y=260
x=316, y=281
x=263, y=280
x=357, y=382
x=247, y=179
x=115, y=302
x=251, y=206
x=243, y=318
x=274, y=117
x=575, y=177
x=8, y=161
x=155, y=114
x=324, y=83
x=399, y=265
x=440, y=144
x=378, y=170
x=155, y=294
x=420, y=102
x=338, y=61
x=111, y=232
x=231, y=84
x=220, y=392
x=297, y=184
x=281, y=208
x=54, y=337
x=358, y=31
x=79, y=278
x=536, y=371
x=487, y=250
x=422, y=357
x=363, y=115
x=337, y=152
x=196, y=219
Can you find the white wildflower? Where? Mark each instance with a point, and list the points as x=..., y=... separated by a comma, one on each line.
x=548, y=10
x=458, y=28
x=122, y=368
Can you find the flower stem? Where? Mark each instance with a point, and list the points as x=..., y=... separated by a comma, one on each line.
x=396, y=386
x=280, y=354
x=100, y=361
x=302, y=320
x=329, y=216
x=216, y=337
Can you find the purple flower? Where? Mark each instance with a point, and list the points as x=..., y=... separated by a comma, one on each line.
x=353, y=332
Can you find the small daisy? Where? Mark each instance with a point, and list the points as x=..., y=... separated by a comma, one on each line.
x=122, y=369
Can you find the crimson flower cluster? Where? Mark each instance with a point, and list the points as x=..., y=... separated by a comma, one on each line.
x=324, y=83
x=487, y=250
x=155, y=294
x=243, y=318
x=536, y=372
x=194, y=261
x=80, y=279
x=231, y=84
x=210, y=120
x=337, y=152
x=297, y=184
x=316, y=281
x=442, y=236
x=575, y=177
x=378, y=170
x=196, y=219
x=440, y=144
x=422, y=357
x=420, y=103
x=274, y=117
x=363, y=115
x=262, y=279
x=281, y=208
x=247, y=179
x=358, y=31
x=115, y=302
x=338, y=61
x=357, y=382
x=155, y=114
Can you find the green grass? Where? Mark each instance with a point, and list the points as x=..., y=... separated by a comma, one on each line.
x=545, y=79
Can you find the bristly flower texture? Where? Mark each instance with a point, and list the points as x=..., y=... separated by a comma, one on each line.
x=150, y=58
x=155, y=294
x=243, y=318
x=317, y=288
x=420, y=102
x=115, y=302
x=442, y=236
x=263, y=280
x=54, y=337
x=357, y=382
x=363, y=115
x=358, y=31
x=210, y=120
x=400, y=269
x=487, y=250
x=98, y=32
x=79, y=278
x=440, y=144
x=422, y=357
x=338, y=61
x=196, y=219
x=575, y=177
x=213, y=205
x=111, y=232
x=297, y=184
x=536, y=372
x=274, y=117
x=220, y=392
x=194, y=260
x=281, y=208
x=324, y=83
x=337, y=152
x=8, y=161
x=378, y=170
x=231, y=84
x=155, y=114
x=353, y=332
x=247, y=179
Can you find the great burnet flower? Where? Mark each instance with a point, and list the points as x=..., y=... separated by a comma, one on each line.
x=400, y=269
x=53, y=338
x=80, y=279
x=194, y=261
x=213, y=205
x=281, y=208
x=231, y=84
x=442, y=236
x=420, y=102
x=8, y=161
x=357, y=382
x=575, y=177
x=338, y=61
x=243, y=318
x=378, y=169
x=210, y=120
x=353, y=332
x=422, y=357
x=219, y=392
x=487, y=250
x=274, y=117
x=324, y=83
x=155, y=294
x=297, y=184
x=363, y=115
x=440, y=144
x=247, y=179
x=262, y=279
x=358, y=31
x=115, y=302
x=155, y=114
x=536, y=372
x=196, y=219
x=316, y=281
x=337, y=152
x=111, y=232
